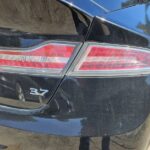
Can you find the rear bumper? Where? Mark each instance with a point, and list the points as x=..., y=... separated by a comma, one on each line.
x=138, y=138
x=111, y=106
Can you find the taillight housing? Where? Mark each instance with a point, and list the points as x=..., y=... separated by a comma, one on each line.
x=111, y=60
x=55, y=58
x=50, y=58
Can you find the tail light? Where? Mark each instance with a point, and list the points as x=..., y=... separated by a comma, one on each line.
x=108, y=60
x=50, y=58
x=92, y=60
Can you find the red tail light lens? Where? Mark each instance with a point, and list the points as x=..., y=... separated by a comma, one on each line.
x=44, y=59
x=113, y=60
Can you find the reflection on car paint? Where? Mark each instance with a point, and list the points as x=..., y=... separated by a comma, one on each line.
x=18, y=88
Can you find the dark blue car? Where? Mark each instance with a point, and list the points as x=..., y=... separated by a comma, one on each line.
x=76, y=68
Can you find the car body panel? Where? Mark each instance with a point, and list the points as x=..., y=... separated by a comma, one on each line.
x=33, y=30
x=139, y=23
x=80, y=105
x=15, y=139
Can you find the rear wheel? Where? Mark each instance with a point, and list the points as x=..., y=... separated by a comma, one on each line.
x=20, y=93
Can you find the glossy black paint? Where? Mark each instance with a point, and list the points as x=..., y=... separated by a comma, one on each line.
x=126, y=18
x=24, y=40
x=132, y=20
x=124, y=99
x=121, y=108
x=89, y=106
x=103, y=31
x=108, y=106
x=25, y=31
x=137, y=139
x=8, y=89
